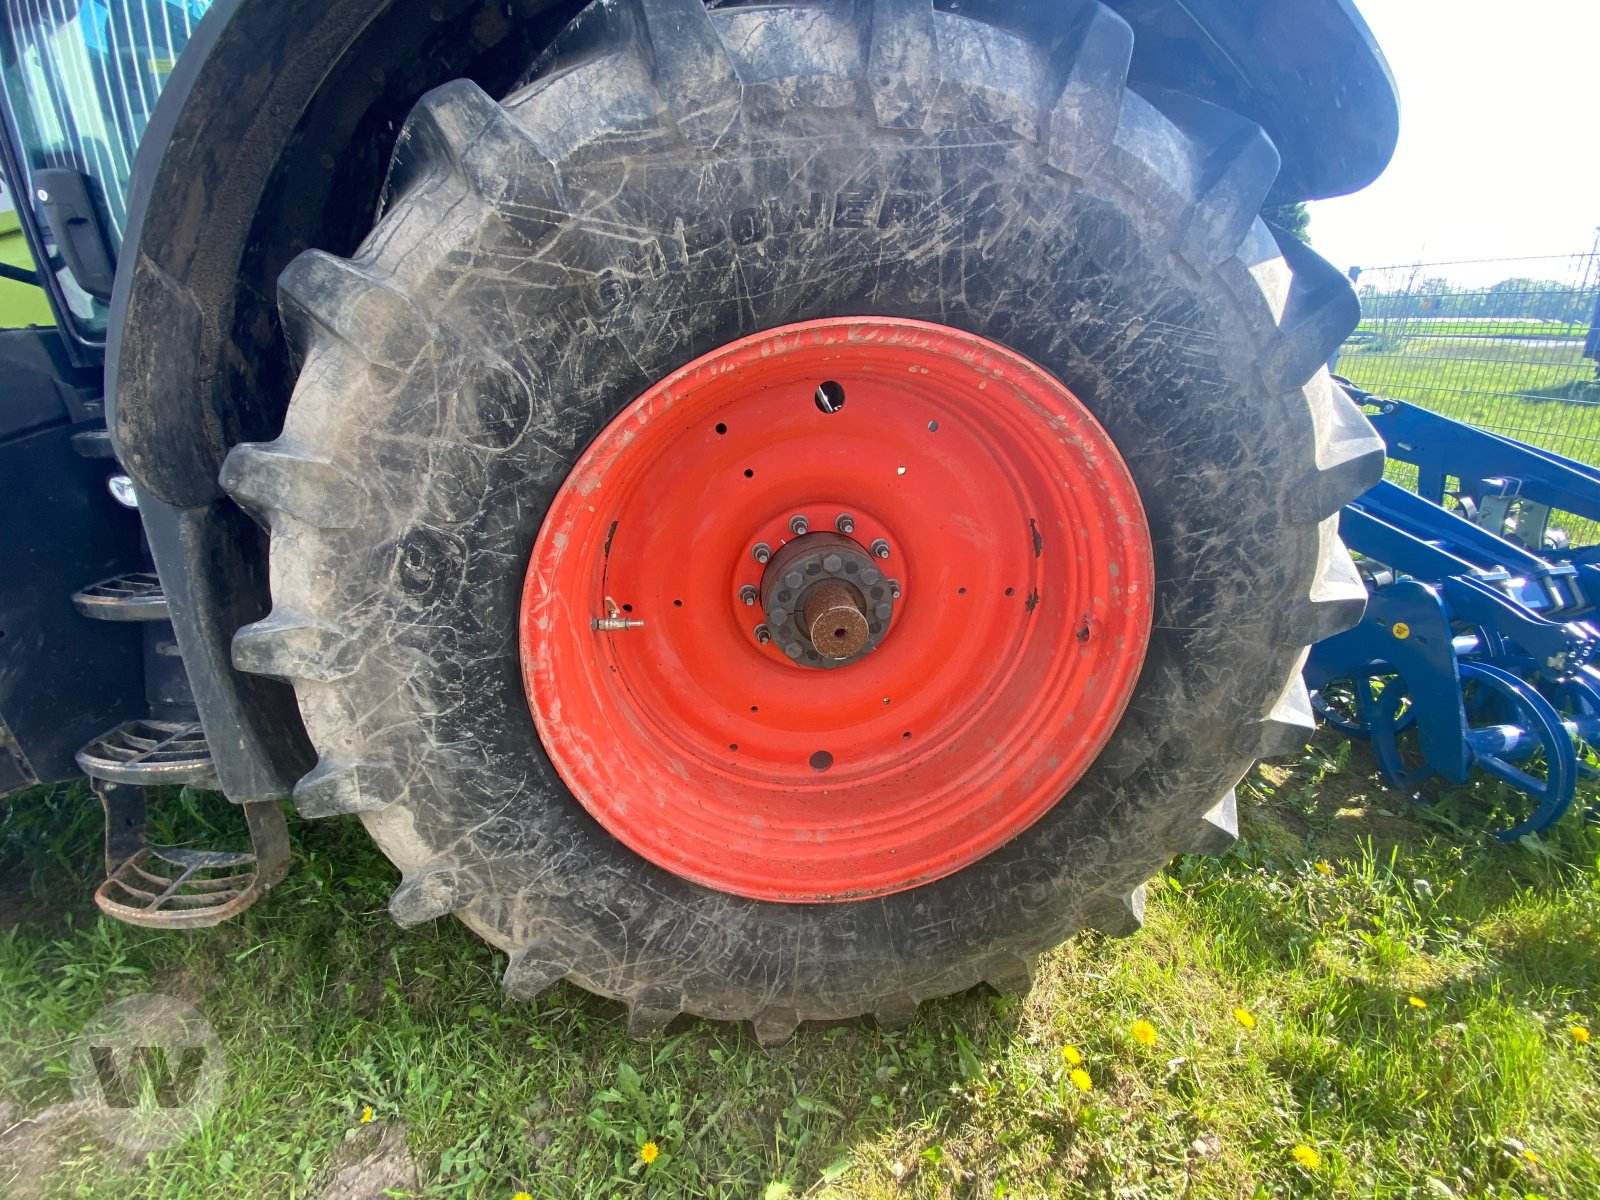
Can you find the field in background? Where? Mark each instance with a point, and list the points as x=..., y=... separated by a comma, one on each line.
x=1508, y=357
x=1539, y=393
x=1471, y=327
x=1341, y=904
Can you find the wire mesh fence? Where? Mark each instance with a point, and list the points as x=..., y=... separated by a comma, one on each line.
x=1517, y=356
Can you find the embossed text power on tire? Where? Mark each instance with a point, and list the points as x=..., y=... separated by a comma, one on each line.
x=672, y=181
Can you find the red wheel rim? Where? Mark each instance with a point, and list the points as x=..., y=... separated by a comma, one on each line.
x=1023, y=557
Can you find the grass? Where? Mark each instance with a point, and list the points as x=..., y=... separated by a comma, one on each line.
x=1546, y=396
x=325, y=1009
x=1506, y=386
x=1481, y=327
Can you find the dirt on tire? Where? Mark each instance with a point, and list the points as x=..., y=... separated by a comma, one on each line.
x=671, y=178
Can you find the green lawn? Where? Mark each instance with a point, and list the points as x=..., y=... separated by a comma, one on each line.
x=1517, y=327
x=1543, y=395
x=1510, y=387
x=1341, y=903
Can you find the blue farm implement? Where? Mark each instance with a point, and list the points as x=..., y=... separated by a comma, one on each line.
x=1479, y=645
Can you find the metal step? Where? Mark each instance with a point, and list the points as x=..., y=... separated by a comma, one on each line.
x=136, y=596
x=178, y=889
x=172, y=887
x=94, y=443
x=146, y=753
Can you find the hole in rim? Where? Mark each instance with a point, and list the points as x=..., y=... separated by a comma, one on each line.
x=906, y=736
x=734, y=746
x=627, y=608
x=933, y=427
x=749, y=474
x=961, y=591
x=829, y=396
x=721, y=428
x=1011, y=591
x=679, y=603
x=821, y=760
x=755, y=708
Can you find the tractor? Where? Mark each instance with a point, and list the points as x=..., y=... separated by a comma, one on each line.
x=770, y=511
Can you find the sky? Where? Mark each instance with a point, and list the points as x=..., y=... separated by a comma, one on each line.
x=1499, y=151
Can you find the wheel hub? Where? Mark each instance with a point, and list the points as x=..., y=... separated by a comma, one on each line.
x=836, y=610
x=826, y=600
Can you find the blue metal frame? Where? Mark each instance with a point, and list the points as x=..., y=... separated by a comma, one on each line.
x=1477, y=651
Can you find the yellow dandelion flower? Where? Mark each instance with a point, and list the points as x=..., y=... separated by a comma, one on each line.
x=521, y=1196
x=1307, y=1157
x=1416, y=1002
x=1072, y=1056
x=1245, y=1017
x=648, y=1152
x=1532, y=1157
x=1080, y=1079
x=1143, y=1032
x=366, y=1114
x=1579, y=1034
x=1323, y=868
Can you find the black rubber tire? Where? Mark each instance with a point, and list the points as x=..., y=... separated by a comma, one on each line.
x=672, y=179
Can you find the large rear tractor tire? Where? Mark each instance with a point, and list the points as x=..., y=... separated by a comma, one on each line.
x=940, y=407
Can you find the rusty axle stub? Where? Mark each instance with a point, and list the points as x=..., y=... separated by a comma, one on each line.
x=826, y=601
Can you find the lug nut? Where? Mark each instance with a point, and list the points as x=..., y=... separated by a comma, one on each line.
x=762, y=552
x=844, y=523
x=798, y=525
x=793, y=579
x=894, y=589
x=763, y=634
x=794, y=650
x=879, y=548
x=832, y=564
x=747, y=594
x=870, y=576
x=777, y=616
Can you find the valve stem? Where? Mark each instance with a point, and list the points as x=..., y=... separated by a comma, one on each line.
x=613, y=621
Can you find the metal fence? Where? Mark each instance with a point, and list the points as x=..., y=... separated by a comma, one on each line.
x=1513, y=355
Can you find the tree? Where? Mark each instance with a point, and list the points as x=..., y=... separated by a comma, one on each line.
x=1291, y=218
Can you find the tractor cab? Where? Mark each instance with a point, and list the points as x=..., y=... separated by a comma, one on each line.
x=80, y=82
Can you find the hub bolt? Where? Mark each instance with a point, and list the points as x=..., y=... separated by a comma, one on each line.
x=879, y=548
x=762, y=552
x=763, y=634
x=748, y=594
x=833, y=564
x=798, y=525
x=844, y=523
